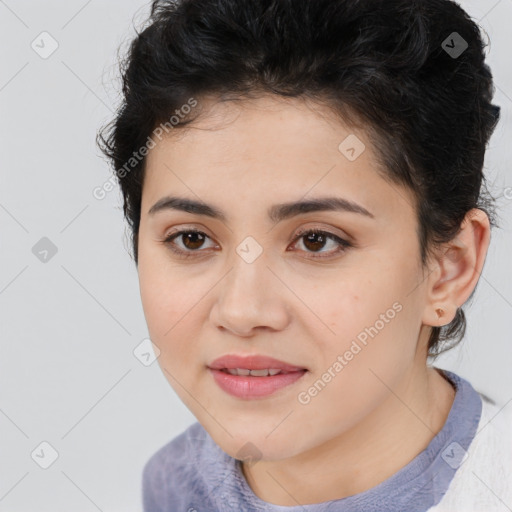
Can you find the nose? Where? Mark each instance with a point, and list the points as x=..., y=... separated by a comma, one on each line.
x=250, y=298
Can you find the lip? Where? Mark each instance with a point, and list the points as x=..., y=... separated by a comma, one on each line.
x=252, y=362
x=250, y=387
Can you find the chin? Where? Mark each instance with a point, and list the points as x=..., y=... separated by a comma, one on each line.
x=255, y=444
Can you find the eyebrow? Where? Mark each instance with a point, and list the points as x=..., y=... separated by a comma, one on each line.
x=276, y=213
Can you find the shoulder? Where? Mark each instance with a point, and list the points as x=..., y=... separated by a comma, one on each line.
x=481, y=483
x=497, y=415
x=492, y=444
x=173, y=470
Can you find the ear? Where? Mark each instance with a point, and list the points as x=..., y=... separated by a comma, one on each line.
x=456, y=269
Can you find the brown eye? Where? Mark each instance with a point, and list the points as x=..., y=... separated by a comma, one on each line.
x=314, y=240
x=191, y=241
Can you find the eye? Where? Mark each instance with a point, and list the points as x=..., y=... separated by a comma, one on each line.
x=191, y=239
x=316, y=239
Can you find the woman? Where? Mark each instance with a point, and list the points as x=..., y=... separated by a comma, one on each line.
x=303, y=181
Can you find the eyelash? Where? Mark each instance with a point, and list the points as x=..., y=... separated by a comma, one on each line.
x=344, y=245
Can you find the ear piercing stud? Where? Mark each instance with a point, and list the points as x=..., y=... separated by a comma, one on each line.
x=439, y=312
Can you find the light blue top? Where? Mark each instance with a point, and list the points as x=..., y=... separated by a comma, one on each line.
x=192, y=474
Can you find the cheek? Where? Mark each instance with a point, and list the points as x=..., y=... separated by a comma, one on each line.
x=371, y=311
x=172, y=307
x=346, y=303
x=164, y=294
x=367, y=353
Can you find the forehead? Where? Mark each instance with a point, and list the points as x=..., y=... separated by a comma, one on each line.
x=264, y=128
x=268, y=150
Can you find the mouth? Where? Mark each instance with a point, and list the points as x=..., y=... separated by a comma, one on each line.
x=244, y=372
x=253, y=363
x=253, y=376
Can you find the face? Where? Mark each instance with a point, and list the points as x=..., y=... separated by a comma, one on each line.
x=343, y=304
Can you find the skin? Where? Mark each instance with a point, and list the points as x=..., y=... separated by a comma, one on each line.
x=386, y=405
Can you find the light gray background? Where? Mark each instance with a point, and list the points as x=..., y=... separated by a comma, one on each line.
x=68, y=374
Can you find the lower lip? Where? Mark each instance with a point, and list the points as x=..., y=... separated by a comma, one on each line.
x=254, y=387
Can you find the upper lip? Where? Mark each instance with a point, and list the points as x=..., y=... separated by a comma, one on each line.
x=252, y=362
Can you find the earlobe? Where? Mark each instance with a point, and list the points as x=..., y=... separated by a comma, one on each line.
x=460, y=264
x=443, y=318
